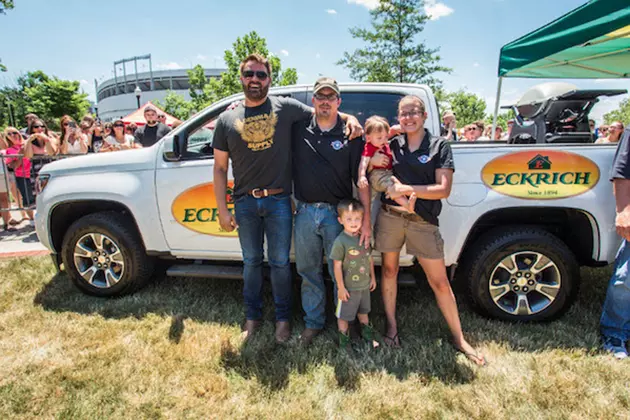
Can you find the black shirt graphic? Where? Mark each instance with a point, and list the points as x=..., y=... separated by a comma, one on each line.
x=325, y=163
x=418, y=168
x=258, y=140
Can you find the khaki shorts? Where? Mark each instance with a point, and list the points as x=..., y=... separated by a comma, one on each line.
x=381, y=179
x=422, y=238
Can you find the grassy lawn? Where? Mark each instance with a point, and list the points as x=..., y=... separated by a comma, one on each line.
x=173, y=350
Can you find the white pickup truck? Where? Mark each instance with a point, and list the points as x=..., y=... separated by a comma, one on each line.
x=520, y=221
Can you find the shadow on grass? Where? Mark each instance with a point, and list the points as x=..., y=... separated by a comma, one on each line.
x=220, y=301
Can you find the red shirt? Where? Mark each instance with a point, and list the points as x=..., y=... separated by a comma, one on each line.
x=370, y=150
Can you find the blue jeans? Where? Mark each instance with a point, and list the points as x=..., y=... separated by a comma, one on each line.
x=615, y=321
x=270, y=217
x=316, y=228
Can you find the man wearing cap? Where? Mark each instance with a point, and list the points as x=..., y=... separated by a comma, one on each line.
x=449, y=126
x=325, y=167
x=150, y=133
x=256, y=136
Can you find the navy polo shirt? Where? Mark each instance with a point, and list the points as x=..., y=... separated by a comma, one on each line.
x=418, y=168
x=325, y=163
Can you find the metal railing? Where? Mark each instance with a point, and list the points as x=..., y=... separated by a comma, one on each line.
x=22, y=190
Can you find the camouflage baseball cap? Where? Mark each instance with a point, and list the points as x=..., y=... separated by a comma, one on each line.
x=326, y=82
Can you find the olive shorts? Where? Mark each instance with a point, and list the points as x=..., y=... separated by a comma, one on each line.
x=358, y=303
x=393, y=230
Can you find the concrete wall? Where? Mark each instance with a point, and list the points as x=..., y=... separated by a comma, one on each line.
x=122, y=105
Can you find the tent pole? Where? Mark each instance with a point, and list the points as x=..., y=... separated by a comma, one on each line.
x=496, y=108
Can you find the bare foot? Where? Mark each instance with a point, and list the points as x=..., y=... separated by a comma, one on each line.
x=471, y=354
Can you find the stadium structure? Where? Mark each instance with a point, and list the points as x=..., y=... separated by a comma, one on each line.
x=126, y=92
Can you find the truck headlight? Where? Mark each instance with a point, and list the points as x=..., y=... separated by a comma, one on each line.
x=42, y=181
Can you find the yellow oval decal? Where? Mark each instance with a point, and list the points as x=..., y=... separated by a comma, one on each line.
x=196, y=209
x=540, y=174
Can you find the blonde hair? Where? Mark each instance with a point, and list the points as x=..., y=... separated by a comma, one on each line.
x=7, y=138
x=376, y=124
x=413, y=99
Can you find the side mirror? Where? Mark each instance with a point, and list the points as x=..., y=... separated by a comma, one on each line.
x=173, y=152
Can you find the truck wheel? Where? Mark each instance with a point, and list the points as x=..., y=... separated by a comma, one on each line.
x=521, y=274
x=104, y=255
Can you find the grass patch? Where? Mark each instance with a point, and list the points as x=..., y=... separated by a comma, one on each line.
x=173, y=350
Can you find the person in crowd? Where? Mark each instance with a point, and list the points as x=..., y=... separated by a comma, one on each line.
x=448, y=128
x=591, y=126
x=479, y=131
x=74, y=141
x=40, y=148
x=256, y=136
x=21, y=168
x=354, y=274
x=87, y=127
x=118, y=140
x=325, y=168
x=108, y=129
x=97, y=138
x=176, y=124
x=27, y=119
x=422, y=164
x=510, y=124
x=5, y=144
x=470, y=131
x=615, y=319
x=498, y=133
x=602, y=132
x=486, y=133
x=615, y=130
x=161, y=117
x=152, y=131
x=131, y=128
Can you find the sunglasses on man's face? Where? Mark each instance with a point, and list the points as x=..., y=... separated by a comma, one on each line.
x=322, y=97
x=261, y=75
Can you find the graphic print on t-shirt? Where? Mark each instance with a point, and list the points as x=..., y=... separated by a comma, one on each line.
x=356, y=268
x=258, y=130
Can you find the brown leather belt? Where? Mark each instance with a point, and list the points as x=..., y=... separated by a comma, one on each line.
x=409, y=216
x=265, y=192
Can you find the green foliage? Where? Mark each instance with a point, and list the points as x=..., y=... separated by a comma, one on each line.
x=502, y=119
x=393, y=52
x=176, y=105
x=621, y=114
x=467, y=106
x=5, y=5
x=48, y=97
x=204, y=92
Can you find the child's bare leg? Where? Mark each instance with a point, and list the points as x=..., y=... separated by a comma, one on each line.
x=363, y=319
x=342, y=325
x=408, y=203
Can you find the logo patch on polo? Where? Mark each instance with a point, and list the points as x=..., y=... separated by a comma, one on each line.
x=337, y=145
x=424, y=159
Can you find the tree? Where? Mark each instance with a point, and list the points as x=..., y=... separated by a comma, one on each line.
x=621, y=114
x=176, y=105
x=393, y=52
x=204, y=91
x=502, y=119
x=48, y=97
x=467, y=107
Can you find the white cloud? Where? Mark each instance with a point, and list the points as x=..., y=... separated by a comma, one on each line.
x=370, y=4
x=201, y=57
x=436, y=10
x=331, y=11
x=475, y=64
x=169, y=66
x=284, y=52
x=84, y=82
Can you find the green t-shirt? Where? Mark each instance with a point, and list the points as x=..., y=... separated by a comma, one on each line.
x=356, y=261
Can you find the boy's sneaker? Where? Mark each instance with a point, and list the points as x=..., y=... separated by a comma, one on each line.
x=616, y=346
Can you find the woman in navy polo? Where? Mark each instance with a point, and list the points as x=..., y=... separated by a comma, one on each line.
x=422, y=164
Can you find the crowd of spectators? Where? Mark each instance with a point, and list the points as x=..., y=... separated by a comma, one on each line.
x=25, y=151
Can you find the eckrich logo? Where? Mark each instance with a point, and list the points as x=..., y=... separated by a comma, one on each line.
x=196, y=209
x=548, y=175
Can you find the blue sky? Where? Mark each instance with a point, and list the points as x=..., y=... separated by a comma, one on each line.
x=79, y=39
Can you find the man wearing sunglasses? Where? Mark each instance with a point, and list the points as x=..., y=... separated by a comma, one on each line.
x=256, y=136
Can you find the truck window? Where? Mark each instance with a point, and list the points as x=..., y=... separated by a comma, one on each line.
x=365, y=104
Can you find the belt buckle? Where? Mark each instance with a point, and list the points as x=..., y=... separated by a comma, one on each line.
x=255, y=193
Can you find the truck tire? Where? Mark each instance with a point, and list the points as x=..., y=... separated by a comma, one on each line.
x=521, y=274
x=104, y=255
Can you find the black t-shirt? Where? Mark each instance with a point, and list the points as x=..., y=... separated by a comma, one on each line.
x=325, y=163
x=148, y=136
x=258, y=140
x=621, y=166
x=97, y=143
x=444, y=132
x=418, y=168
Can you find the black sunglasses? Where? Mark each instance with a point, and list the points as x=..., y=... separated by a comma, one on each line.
x=38, y=126
x=119, y=125
x=261, y=75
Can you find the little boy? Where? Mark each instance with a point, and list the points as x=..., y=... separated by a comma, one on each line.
x=376, y=133
x=354, y=274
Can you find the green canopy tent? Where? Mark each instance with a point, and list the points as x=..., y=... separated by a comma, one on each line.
x=590, y=42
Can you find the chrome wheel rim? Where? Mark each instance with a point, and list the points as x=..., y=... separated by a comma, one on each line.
x=98, y=260
x=525, y=283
